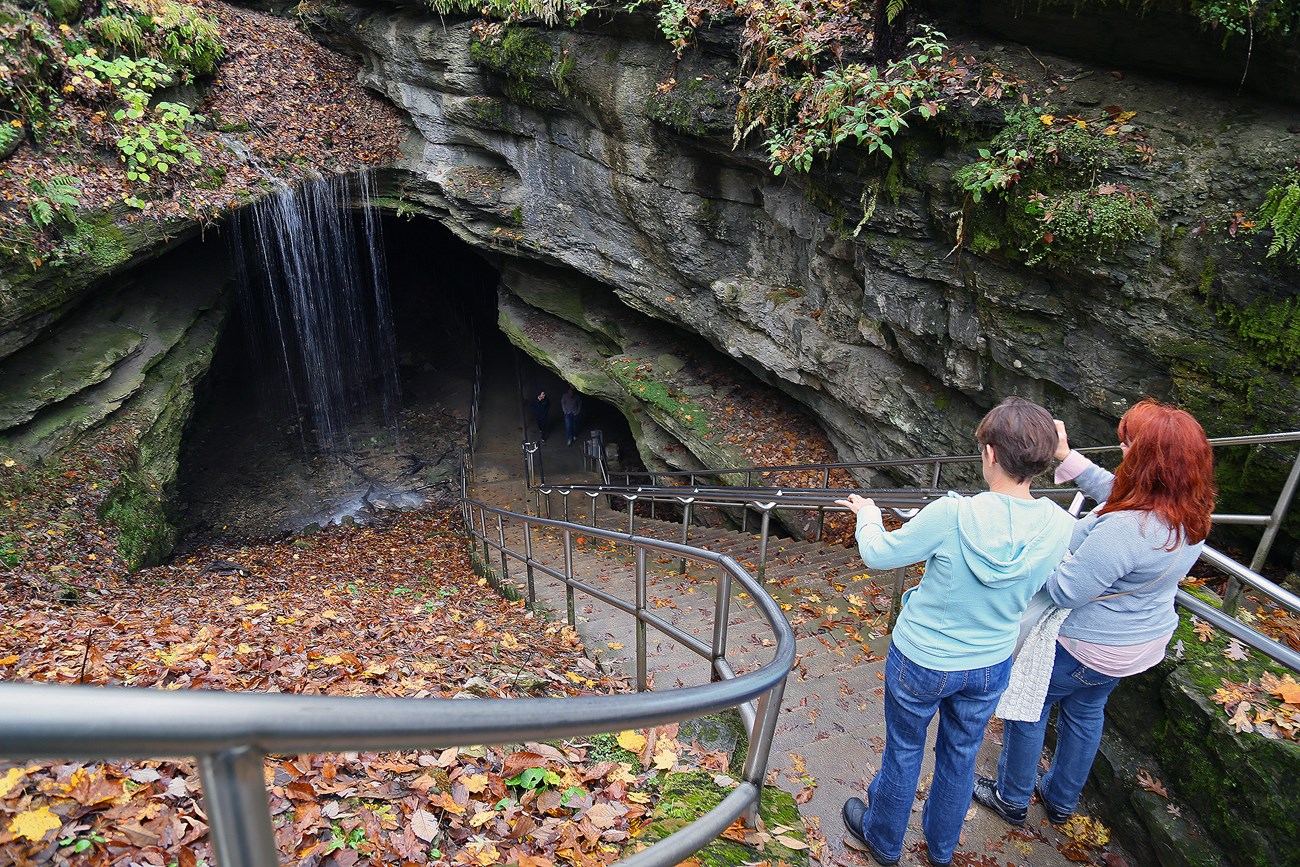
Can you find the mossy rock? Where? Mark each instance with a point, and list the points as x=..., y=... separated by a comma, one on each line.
x=683, y=798
x=699, y=106
x=522, y=57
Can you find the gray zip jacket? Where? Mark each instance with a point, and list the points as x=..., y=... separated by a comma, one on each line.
x=1121, y=551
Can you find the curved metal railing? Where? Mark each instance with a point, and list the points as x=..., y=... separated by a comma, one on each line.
x=905, y=502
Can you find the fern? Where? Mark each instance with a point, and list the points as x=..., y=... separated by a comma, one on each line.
x=1281, y=213
x=41, y=212
x=9, y=136
x=893, y=9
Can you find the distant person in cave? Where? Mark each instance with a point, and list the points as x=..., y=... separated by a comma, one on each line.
x=571, y=405
x=1127, y=557
x=542, y=414
x=985, y=556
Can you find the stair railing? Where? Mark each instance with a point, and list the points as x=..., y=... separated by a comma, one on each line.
x=905, y=502
x=758, y=709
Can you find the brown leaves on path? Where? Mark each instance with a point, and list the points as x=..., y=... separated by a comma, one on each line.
x=389, y=609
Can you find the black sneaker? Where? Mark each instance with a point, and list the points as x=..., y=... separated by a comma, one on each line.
x=853, y=811
x=986, y=794
x=1054, y=815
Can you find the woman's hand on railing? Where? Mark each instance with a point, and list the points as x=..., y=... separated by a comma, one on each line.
x=856, y=504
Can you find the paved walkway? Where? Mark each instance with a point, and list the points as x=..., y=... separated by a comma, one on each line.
x=831, y=729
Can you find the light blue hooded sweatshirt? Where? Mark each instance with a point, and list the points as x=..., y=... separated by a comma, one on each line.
x=984, y=557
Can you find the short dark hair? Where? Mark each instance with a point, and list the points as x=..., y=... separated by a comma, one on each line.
x=1024, y=435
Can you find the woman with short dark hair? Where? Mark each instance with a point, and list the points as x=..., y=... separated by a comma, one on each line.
x=985, y=556
x=1128, y=556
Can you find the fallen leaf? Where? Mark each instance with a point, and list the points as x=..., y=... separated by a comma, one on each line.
x=35, y=824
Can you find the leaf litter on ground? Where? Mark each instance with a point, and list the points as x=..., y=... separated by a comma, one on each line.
x=388, y=609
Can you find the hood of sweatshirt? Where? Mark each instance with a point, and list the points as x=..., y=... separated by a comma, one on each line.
x=1004, y=538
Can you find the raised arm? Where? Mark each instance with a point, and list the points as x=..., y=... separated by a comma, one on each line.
x=912, y=543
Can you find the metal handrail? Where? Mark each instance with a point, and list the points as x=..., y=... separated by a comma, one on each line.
x=905, y=502
x=758, y=710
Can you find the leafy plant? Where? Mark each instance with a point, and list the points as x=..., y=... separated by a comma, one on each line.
x=33, y=58
x=1280, y=214
x=1038, y=187
x=534, y=778
x=340, y=839
x=860, y=103
x=81, y=844
x=160, y=144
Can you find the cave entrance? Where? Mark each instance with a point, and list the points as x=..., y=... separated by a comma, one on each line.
x=254, y=462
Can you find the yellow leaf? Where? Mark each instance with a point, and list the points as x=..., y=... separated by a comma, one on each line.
x=481, y=818
x=256, y=607
x=9, y=780
x=9, y=660
x=665, y=759
x=475, y=783
x=331, y=660
x=613, y=645
x=631, y=741
x=35, y=824
x=1047, y=119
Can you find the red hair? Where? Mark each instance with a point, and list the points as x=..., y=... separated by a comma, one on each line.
x=1169, y=470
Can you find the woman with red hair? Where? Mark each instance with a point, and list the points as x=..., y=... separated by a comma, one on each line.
x=1126, y=559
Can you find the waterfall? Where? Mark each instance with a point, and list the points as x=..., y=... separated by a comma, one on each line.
x=314, y=294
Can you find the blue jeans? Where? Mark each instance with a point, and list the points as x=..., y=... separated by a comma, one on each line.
x=571, y=425
x=913, y=694
x=1081, y=693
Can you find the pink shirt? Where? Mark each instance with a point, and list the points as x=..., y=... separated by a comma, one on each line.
x=1117, y=660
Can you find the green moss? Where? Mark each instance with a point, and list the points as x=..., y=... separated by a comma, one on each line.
x=520, y=55
x=636, y=376
x=700, y=106
x=685, y=797
x=490, y=112
x=135, y=507
x=1271, y=329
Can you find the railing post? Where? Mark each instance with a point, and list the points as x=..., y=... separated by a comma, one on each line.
x=934, y=479
x=760, y=745
x=239, y=813
x=744, y=510
x=821, y=510
x=593, y=495
x=565, y=494
x=762, y=542
x=642, y=601
x=482, y=520
x=721, y=616
x=1275, y=520
x=528, y=561
x=896, y=595
x=631, y=513
x=686, y=523
x=501, y=537
x=568, y=578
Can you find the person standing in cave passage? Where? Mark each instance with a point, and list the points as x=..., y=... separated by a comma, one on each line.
x=571, y=405
x=542, y=414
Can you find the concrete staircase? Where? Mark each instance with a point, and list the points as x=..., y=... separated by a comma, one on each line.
x=831, y=731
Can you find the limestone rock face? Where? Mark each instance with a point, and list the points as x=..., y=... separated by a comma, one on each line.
x=845, y=291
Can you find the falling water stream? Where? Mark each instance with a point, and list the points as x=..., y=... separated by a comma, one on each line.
x=308, y=421
x=319, y=305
